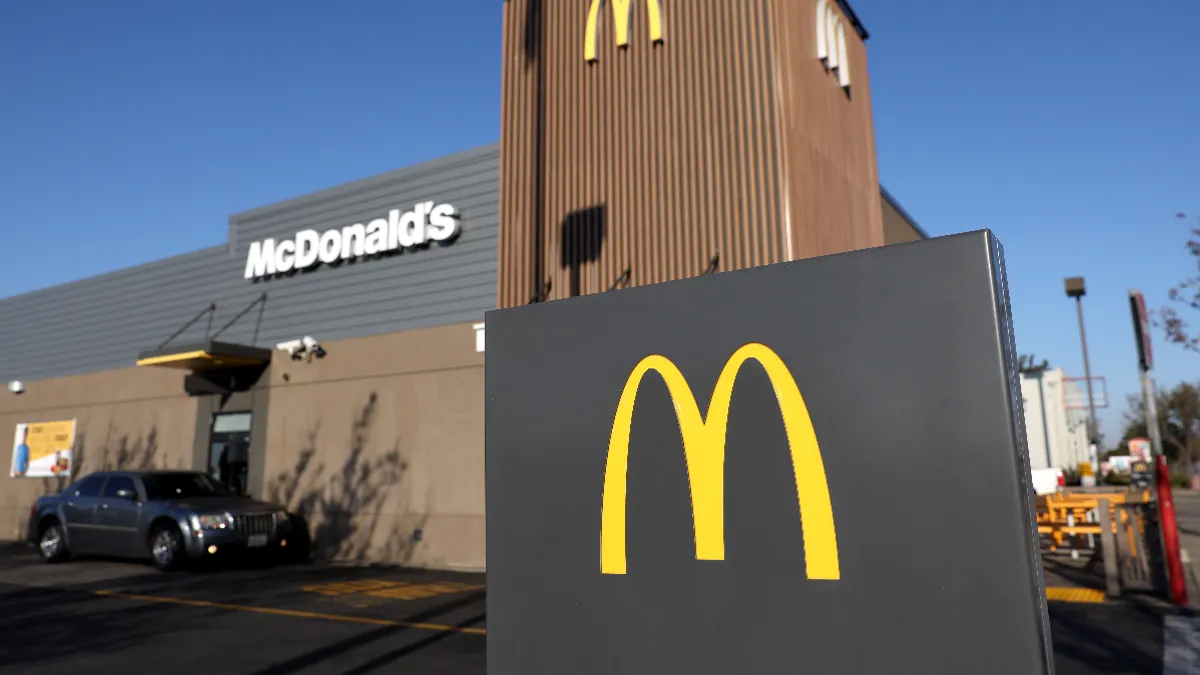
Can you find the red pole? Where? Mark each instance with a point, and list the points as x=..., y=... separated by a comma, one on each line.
x=1170, y=532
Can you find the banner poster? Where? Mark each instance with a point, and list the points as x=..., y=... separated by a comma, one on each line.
x=42, y=449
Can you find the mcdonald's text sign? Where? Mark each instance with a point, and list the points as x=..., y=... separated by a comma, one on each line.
x=755, y=472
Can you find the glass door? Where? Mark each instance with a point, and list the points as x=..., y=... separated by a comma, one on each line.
x=229, y=450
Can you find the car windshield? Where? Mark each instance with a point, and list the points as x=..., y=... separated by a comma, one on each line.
x=161, y=486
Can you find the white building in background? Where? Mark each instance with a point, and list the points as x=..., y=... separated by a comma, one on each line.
x=1057, y=434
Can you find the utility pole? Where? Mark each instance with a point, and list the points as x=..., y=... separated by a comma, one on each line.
x=1076, y=289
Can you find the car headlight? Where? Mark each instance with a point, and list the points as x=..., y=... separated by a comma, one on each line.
x=211, y=521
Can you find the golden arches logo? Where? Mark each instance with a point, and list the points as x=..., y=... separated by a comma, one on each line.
x=622, y=11
x=704, y=449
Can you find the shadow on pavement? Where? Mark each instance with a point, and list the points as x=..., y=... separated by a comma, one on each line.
x=68, y=624
x=43, y=625
x=1124, y=638
x=1080, y=573
x=58, y=627
x=338, y=649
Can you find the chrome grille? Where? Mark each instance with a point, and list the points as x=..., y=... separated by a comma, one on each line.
x=256, y=523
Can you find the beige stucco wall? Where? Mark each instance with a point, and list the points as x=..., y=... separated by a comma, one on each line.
x=380, y=439
x=128, y=418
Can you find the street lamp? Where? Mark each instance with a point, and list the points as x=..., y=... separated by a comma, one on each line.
x=1076, y=289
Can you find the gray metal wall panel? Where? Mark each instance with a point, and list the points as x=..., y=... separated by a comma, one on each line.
x=102, y=322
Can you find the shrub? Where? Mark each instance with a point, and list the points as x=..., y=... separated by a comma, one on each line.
x=1115, y=478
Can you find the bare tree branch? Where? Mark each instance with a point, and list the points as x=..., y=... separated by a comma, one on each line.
x=1185, y=294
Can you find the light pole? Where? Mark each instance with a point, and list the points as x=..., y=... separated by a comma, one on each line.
x=1076, y=289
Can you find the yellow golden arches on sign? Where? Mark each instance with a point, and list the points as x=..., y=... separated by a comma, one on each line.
x=622, y=11
x=704, y=448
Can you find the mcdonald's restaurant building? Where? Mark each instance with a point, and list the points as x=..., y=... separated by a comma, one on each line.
x=336, y=343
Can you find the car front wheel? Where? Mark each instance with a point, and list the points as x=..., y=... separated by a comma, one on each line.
x=52, y=544
x=166, y=548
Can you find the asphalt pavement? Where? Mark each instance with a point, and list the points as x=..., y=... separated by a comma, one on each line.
x=111, y=617
x=106, y=617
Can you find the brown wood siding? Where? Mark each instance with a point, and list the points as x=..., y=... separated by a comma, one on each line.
x=729, y=138
x=828, y=164
x=655, y=157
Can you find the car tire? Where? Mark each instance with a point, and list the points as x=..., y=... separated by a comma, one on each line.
x=52, y=543
x=166, y=548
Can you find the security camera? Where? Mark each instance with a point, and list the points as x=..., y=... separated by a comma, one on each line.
x=313, y=347
x=17, y=387
x=301, y=347
x=295, y=348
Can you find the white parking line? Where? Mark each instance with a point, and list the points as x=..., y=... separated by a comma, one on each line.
x=1181, y=645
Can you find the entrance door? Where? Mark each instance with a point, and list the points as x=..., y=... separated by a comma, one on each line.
x=229, y=450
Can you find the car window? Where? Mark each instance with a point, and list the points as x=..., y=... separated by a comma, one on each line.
x=90, y=487
x=182, y=485
x=118, y=483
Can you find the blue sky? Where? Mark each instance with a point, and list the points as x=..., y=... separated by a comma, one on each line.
x=133, y=129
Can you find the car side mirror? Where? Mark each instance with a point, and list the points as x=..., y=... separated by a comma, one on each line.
x=127, y=494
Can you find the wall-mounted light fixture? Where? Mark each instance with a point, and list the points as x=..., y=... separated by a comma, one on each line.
x=478, y=337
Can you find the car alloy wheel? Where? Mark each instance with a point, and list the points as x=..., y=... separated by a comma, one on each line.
x=51, y=543
x=165, y=548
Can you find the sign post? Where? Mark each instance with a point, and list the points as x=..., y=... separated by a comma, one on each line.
x=1168, y=527
x=1141, y=334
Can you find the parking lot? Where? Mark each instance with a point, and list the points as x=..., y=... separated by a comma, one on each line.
x=103, y=616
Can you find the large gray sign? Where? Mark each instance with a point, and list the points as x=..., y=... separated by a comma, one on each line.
x=814, y=467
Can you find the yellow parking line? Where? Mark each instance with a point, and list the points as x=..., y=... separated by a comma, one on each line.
x=1061, y=594
x=293, y=613
x=1053, y=593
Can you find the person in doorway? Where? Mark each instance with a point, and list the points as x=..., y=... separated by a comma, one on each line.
x=223, y=465
x=21, y=460
x=238, y=464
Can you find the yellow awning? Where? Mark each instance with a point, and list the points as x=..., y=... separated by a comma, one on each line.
x=208, y=356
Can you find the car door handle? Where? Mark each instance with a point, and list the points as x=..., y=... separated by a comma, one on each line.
x=104, y=505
